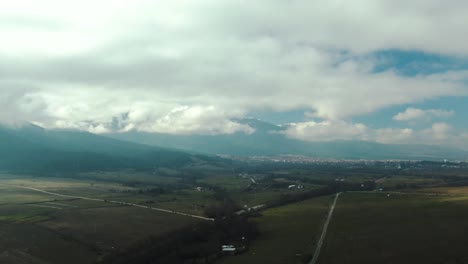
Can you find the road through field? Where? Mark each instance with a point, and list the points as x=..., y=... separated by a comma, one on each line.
x=324, y=231
x=106, y=201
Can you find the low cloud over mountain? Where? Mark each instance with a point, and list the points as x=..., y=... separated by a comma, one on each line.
x=191, y=67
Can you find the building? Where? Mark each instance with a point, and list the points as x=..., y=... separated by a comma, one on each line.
x=228, y=249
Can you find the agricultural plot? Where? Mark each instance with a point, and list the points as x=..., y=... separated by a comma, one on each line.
x=228, y=182
x=186, y=200
x=461, y=190
x=33, y=224
x=400, y=228
x=288, y=233
x=16, y=196
x=65, y=186
x=402, y=182
x=113, y=228
x=25, y=243
x=130, y=177
x=254, y=198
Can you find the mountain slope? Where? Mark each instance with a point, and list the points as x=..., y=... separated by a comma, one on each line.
x=31, y=148
x=268, y=140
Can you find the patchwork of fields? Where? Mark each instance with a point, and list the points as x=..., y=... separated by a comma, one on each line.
x=34, y=224
x=288, y=233
x=426, y=224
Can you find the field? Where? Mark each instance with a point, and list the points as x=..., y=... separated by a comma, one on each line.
x=400, y=228
x=288, y=233
x=24, y=243
x=34, y=224
x=254, y=198
x=98, y=226
x=414, y=218
x=462, y=190
x=408, y=181
x=64, y=186
x=228, y=182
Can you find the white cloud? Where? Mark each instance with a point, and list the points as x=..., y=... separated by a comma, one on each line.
x=122, y=112
x=85, y=64
x=439, y=131
x=326, y=131
x=418, y=114
x=187, y=120
x=394, y=135
x=436, y=134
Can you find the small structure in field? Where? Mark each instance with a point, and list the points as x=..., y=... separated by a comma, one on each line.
x=233, y=249
x=228, y=249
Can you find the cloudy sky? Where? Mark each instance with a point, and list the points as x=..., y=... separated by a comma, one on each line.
x=379, y=70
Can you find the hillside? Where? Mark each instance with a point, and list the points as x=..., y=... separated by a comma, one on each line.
x=268, y=140
x=32, y=148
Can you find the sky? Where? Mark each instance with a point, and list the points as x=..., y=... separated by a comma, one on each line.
x=377, y=70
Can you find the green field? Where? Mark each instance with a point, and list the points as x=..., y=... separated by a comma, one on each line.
x=31, y=244
x=288, y=233
x=112, y=228
x=254, y=198
x=130, y=177
x=462, y=190
x=34, y=224
x=408, y=181
x=65, y=186
x=228, y=182
x=400, y=228
x=421, y=221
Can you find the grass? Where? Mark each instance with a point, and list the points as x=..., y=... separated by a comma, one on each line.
x=24, y=243
x=288, y=233
x=185, y=201
x=24, y=218
x=32, y=224
x=64, y=186
x=228, y=182
x=131, y=177
x=254, y=198
x=23, y=213
x=366, y=228
x=11, y=195
x=396, y=181
x=400, y=228
x=111, y=228
x=462, y=190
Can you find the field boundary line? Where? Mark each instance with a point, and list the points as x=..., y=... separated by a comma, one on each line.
x=45, y=206
x=109, y=201
x=318, y=248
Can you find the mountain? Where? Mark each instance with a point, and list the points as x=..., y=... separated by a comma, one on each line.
x=30, y=148
x=267, y=140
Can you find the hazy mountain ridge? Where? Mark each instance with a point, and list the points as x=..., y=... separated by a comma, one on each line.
x=32, y=148
x=268, y=140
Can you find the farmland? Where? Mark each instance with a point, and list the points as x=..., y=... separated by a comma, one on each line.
x=383, y=216
x=400, y=228
x=78, y=231
x=288, y=231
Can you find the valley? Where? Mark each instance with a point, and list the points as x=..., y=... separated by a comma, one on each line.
x=99, y=215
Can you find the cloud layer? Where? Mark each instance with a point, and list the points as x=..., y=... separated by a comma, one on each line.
x=193, y=66
x=411, y=114
x=435, y=134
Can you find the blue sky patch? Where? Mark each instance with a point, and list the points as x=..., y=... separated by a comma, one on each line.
x=411, y=63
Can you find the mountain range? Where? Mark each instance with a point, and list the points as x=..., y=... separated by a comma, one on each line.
x=267, y=140
x=29, y=148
